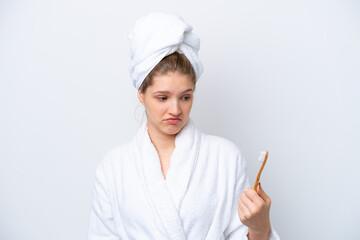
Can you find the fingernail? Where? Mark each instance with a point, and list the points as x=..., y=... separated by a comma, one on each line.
x=260, y=185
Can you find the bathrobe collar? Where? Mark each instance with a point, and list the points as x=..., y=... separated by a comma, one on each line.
x=167, y=195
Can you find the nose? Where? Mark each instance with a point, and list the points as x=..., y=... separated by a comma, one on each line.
x=175, y=108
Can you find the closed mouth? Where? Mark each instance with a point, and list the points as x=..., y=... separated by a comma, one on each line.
x=173, y=119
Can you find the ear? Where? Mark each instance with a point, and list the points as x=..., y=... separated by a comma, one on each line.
x=141, y=97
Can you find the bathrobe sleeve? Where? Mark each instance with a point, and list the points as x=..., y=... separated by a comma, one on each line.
x=101, y=226
x=236, y=230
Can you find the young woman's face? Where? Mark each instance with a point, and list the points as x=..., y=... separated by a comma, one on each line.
x=168, y=102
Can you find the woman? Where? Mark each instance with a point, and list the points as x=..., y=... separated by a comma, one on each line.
x=172, y=181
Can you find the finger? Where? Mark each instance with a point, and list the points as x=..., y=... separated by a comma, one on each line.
x=253, y=196
x=244, y=213
x=263, y=195
x=251, y=206
x=241, y=210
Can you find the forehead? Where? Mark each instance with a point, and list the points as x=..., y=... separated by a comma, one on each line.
x=171, y=82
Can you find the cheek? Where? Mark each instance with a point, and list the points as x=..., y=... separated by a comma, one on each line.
x=155, y=108
x=187, y=107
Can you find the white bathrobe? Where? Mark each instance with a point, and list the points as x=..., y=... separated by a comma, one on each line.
x=197, y=200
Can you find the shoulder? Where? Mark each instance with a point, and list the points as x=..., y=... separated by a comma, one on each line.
x=114, y=156
x=226, y=153
x=224, y=150
x=220, y=144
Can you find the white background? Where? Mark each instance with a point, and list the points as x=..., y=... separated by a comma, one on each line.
x=278, y=75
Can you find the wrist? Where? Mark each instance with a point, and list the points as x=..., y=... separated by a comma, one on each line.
x=258, y=235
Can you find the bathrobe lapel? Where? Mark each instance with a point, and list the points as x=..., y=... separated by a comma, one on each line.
x=182, y=162
x=167, y=195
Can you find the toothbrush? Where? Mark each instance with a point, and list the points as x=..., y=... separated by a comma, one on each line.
x=262, y=158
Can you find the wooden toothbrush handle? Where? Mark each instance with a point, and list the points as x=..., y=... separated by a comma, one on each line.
x=260, y=171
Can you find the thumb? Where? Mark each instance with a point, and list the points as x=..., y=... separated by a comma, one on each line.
x=263, y=195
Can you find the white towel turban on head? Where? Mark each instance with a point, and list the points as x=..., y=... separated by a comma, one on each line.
x=156, y=36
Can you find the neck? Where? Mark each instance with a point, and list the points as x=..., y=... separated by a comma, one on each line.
x=161, y=141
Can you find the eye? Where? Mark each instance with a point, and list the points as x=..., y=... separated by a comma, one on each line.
x=187, y=98
x=162, y=98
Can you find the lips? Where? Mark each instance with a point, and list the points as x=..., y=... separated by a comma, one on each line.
x=173, y=120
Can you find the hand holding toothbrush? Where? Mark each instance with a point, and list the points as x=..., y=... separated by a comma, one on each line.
x=254, y=212
x=254, y=207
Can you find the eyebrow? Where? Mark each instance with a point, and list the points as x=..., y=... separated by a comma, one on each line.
x=187, y=90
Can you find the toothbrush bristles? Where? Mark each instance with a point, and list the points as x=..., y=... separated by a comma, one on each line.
x=262, y=156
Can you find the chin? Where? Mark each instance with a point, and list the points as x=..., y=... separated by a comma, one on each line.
x=173, y=129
